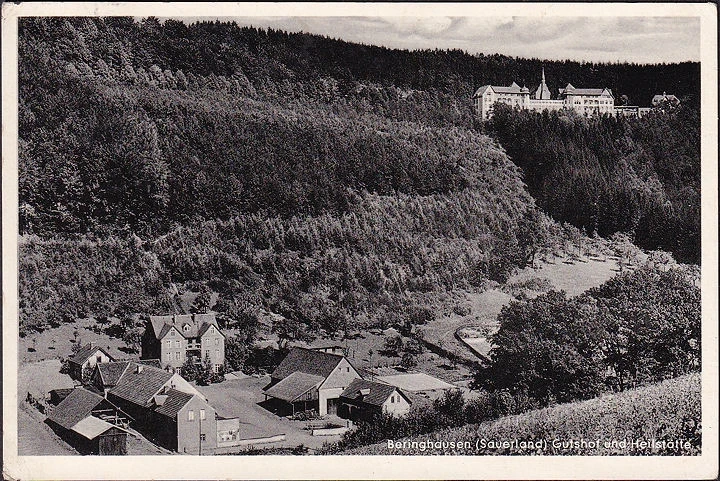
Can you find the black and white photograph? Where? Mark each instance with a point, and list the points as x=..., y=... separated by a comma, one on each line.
x=384, y=232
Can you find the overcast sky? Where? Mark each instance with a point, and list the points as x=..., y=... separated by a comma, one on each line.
x=607, y=39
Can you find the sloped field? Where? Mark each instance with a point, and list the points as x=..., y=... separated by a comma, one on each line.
x=661, y=419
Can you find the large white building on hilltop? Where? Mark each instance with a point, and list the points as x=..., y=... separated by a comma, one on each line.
x=585, y=101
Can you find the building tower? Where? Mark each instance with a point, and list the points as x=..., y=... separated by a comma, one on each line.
x=542, y=92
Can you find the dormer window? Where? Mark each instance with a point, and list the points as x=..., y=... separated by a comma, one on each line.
x=186, y=328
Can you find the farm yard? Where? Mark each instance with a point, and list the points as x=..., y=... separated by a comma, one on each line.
x=241, y=397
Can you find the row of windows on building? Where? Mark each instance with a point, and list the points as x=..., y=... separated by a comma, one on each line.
x=178, y=343
x=177, y=354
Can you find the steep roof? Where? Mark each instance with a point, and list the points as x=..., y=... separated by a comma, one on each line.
x=111, y=372
x=294, y=386
x=86, y=352
x=197, y=324
x=175, y=401
x=481, y=90
x=76, y=406
x=140, y=387
x=308, y=361
x=377, y=395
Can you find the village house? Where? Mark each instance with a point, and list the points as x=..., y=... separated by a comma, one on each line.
x=165, y=407
x=311, y=379
x=665, y=99
x=175, y=339
x=90, y=423
x=85, y=359
x=105, y=376
x=363, y=399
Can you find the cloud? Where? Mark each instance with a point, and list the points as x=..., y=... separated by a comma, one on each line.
x=594, y=39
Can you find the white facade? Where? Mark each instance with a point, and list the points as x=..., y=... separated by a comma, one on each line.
x=585, y=101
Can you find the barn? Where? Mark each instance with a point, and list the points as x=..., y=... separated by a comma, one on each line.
x=90, y=423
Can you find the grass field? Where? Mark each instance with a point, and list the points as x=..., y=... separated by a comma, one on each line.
x=574, y=277
x=56, y=343
x=667, y=412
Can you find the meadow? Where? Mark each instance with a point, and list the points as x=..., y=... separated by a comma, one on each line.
x=667, y=412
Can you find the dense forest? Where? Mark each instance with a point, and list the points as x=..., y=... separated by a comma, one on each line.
x=606, y=175
x=328, y=181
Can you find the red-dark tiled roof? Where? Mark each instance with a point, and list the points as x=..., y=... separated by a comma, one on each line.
x=76, y=406
x=86, y=352
x=377, y=393
x=294, y=386
x=309, y=361
x=174, y=402
x=140, y=387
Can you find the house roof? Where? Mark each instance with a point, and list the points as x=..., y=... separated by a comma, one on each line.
x=175, y=401
x=377, y=395
x=294, y=386
x=111, y=372
x=570, y=90
x=308, y=361
x=659, y=98
x=86, y=352
x=481, y=90
x=92, y=427
x=512, y=89
x=76, y=406
x=140, y=387
x=188, y=325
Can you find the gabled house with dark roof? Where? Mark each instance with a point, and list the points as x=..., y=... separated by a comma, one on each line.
x=166, y=408
x=86, y=358
x=105, y=376
x=90, y=423
x=363, y=399
x=176, y=338
x=311, y=379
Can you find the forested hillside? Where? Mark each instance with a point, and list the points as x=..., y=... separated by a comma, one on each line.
x=135, y=179
x=639, y=176
x=329, y=181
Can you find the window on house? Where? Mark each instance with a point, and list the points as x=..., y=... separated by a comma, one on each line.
x=191, y=415
x=347, y=369
x=217, y=342
x=217, y=353
x=202, y=414
x=169, y=356
x=98, y=358
x=177, y=343
x=177, y=356
x=172, y=333
x=202, y=437
x=168, y=344
x=392, y=399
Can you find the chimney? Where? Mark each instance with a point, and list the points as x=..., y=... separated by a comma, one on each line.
x=139, y=368
x=160, y=399
x=365, y=391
